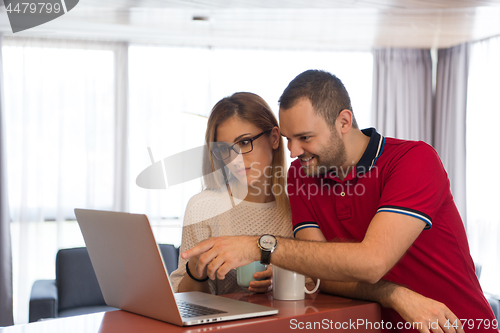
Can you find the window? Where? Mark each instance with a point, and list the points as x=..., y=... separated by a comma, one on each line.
x=61, y=130
x=59, y=113
x=483, y=117
x=169, y=86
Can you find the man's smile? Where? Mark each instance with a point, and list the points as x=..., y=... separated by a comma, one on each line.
x=306, y=161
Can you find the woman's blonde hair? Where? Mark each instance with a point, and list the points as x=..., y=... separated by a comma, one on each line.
x=252, y=108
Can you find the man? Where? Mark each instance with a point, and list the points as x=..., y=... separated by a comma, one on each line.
x=376, y=213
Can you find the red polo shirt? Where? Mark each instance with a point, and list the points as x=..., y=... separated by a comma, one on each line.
x=402, y=177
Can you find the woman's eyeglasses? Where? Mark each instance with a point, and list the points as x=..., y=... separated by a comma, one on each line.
x=223, y=151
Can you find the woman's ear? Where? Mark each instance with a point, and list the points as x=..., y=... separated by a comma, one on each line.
x=275, y=137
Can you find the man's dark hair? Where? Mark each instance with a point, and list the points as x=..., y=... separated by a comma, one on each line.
x=326, y=92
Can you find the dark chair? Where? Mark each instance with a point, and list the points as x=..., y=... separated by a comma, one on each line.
x=75, y=290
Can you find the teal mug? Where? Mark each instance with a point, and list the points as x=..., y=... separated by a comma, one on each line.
x=245, y=273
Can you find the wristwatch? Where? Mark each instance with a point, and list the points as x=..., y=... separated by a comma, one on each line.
x=267, y=244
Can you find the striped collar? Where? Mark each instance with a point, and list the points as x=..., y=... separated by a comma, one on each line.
x=373, y=151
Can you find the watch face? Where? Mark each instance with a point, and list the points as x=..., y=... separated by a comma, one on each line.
x=268, y=242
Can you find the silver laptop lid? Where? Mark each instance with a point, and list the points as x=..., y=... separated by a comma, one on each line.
x=133, y=277
x=128, y=263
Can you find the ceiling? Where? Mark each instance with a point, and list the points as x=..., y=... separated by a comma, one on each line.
x=276, y=24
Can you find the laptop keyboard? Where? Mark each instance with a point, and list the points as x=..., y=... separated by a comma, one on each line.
x=188, y=310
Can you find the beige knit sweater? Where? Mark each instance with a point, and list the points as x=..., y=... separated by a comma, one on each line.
x=211, y=214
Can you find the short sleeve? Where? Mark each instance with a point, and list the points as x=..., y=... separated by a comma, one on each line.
x=302, y=216
x=416, y=184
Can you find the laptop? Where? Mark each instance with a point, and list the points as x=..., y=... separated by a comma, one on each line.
x=132, y=275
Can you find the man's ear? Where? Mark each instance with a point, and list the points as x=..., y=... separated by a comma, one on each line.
x=344, y=121
x=275, y=137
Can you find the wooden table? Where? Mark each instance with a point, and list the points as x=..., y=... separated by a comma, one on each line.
x=318, y=312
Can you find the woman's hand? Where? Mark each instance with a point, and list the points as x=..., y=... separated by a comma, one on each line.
x=188, y=284
x=266, y=284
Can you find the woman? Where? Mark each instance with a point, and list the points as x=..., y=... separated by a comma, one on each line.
x=245, y=179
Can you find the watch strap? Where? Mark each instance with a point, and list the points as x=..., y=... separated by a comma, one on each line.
x=265, y=257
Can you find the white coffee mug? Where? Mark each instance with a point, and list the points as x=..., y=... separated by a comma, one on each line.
x=289, y=286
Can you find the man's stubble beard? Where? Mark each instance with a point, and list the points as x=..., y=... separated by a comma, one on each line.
x=329, y=158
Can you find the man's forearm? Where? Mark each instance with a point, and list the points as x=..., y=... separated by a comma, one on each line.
x=380, y=292
x=411, y=306
x=348, y=262
x=387, y=238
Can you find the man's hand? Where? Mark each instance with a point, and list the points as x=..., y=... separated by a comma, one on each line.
x=221, y=254
x=412, y=307
x=193, y=264
x=265, y=284
x=415, y=308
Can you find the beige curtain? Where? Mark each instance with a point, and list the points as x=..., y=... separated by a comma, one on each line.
x=402, y=104
x=402, y=93
x=450, y=117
